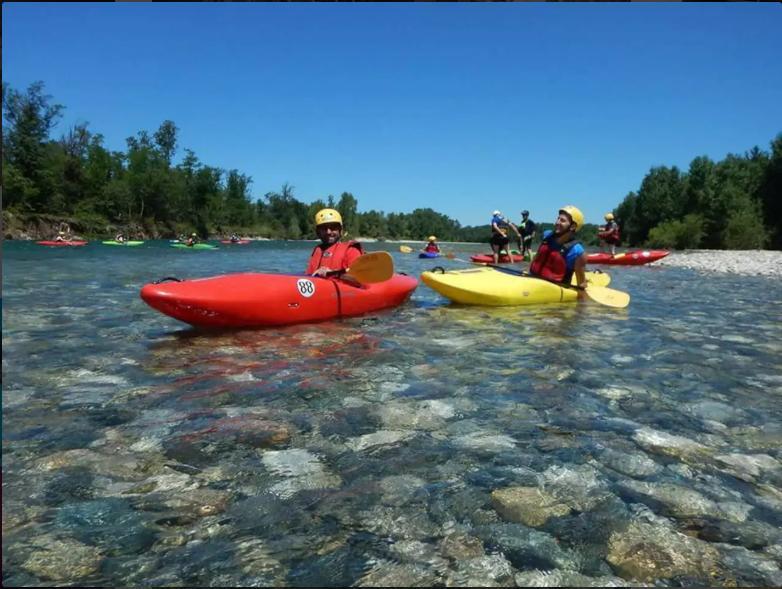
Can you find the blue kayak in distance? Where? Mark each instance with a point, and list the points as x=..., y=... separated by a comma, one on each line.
x=428, y=255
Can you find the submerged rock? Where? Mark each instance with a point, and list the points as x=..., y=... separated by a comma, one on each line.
x=568, y=579
x=485, y=442
x=684, y=502
x=378, y=439
x=461, y=546
x=390, y=574
x=527, y=505
x=580, y=487
x=750, y=568
x=525, y=547
x=660, y=442
x=400, y=489
x=634, y=464
x=649, y=552
x=300, y=470
x=62, y=560
x=413, y=415
x=492, y=570
x=748, y=467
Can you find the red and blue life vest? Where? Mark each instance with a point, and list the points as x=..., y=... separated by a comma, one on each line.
x=555, y=261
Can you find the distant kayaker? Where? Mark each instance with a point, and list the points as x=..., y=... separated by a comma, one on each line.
x=432, y=247
x=499, y=236
x=234, y=238
x=527, y=229
x=192, y=240
x=331, y=255
x=120, y=237
x=609, y=234
x=559, y=253
x=62, y=236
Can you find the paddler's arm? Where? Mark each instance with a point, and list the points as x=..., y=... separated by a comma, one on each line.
x=581, y=280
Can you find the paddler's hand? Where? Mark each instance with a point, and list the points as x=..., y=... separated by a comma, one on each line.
x=322, y=271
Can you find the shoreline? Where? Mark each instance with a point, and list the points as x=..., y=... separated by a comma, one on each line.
x=740, y=262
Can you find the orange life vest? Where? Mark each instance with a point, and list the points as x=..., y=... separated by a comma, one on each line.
x=335, y=257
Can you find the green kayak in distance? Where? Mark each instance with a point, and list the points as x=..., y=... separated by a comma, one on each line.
x=198, y=246
x=126, y=243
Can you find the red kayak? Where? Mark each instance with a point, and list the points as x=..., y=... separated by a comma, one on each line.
x=489, y=259
x=240, y=242
x=261, y=300
x=634, y=258
x=61, y=243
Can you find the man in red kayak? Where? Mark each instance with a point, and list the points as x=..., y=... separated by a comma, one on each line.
x=560, y=254
x=609, y=234
x=331, y=254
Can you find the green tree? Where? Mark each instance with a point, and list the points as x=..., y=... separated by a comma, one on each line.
x=348, y=207
x=237, y=198
x=30, y=118
x=166, y=140
x=660, y=199
x=677, y=234
x=770, y=194
x=743, y=228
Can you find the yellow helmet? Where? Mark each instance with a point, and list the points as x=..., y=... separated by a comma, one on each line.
x=327, y=216
x=432, y=238
x=575, y=215
x=609, y=216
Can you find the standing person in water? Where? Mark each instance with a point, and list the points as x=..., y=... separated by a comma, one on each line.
x=527, y=229
x=331, y=255
x=499, y=236
x=609, y=234
x=560, y=254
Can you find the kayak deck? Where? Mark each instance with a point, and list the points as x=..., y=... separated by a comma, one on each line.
x=263, y=300
x=497, y=288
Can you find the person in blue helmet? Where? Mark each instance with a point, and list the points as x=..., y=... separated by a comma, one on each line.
x=499, y=236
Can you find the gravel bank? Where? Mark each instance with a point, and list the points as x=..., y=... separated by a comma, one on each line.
x=744, y=262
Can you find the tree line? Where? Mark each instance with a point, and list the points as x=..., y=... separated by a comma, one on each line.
x=77, y=177
x=734, y=203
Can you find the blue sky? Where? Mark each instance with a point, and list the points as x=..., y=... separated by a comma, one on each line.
x=461, y=107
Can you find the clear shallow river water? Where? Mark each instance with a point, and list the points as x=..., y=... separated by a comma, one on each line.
x=426, y=445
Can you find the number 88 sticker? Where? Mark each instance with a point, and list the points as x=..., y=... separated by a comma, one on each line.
x=306, y=287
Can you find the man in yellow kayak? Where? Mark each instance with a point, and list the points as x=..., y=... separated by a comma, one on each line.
x=331, y=254
x=560, y=254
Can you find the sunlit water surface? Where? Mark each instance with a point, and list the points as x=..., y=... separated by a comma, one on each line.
x=426, y=445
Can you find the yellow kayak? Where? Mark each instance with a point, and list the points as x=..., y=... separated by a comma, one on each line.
x=495, y=288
